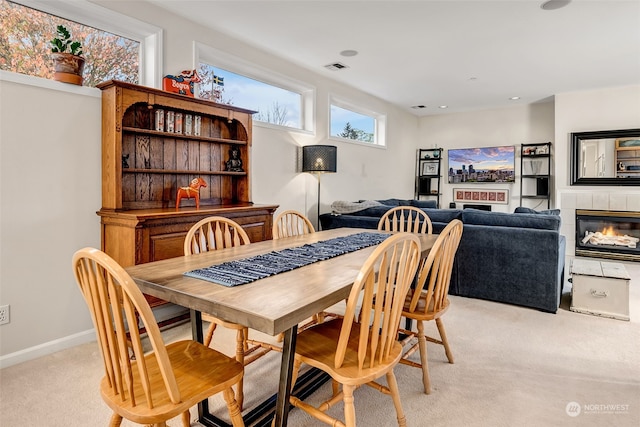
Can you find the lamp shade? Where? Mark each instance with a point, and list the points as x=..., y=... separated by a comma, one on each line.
x=319, y=158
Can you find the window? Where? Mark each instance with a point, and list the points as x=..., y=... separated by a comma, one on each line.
x=348, y=122
x=28, y=27
x=278, y=100
x=274, y=105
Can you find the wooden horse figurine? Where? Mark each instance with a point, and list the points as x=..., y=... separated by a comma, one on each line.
x=192, y=191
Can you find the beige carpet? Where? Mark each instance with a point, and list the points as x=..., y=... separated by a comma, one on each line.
x=513, y=367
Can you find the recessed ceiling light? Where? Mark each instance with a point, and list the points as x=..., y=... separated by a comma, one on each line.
x=443, y=106
x=513, y=98
x=349, y=52
x=554, y=4
x=418, y=107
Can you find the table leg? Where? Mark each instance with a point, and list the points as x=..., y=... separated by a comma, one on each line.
x=286, y=370
x=259, y=416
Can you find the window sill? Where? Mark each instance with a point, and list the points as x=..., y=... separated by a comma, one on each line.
x=8, y=76
x=356, y=142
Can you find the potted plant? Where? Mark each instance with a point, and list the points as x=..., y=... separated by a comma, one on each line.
x=67, y=58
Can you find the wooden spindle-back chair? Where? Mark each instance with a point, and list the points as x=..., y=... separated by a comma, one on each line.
x=362, y=347
x=147, y=388
x=429, y=300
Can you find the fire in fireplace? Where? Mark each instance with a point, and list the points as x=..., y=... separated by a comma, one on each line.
x=608, y=234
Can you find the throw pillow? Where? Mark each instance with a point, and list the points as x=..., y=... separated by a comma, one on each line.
x=346, y=207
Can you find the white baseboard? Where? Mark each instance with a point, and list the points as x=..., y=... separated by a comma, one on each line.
x=161, y=313
x=47, y=348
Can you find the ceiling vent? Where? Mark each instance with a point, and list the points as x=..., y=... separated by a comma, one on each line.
x=335, y=66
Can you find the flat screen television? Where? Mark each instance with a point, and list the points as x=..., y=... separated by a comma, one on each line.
x=485, y=164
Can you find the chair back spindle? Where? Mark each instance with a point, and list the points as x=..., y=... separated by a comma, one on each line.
x=291, y=223
x=406, y=218
x=214, y=233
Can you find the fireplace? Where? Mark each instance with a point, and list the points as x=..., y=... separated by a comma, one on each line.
x=608, y=234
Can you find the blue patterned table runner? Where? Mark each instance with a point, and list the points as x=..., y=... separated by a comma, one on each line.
x=240, y=272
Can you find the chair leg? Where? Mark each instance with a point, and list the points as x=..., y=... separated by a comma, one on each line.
x=209, y=336
x=241, y=342
x=335, y=387
x=186, y=419
x=443, y=337
x=245, y=337
x=234, y=409
x=422, y=344
x=395, y=395
x=116, y=420
x=349, y=408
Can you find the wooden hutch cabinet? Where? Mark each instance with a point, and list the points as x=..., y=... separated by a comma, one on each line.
x=144, y=163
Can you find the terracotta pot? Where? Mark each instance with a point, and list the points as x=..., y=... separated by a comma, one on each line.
x=68, y=68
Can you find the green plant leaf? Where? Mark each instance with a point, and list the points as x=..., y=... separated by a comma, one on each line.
x=75, y=48
x=63, y=33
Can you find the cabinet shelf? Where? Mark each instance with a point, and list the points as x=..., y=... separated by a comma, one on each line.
x=542, y=197
x=535, y=156
x=183, y=136
x=181, y=172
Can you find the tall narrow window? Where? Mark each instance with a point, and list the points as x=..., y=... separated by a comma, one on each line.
x=25, y=48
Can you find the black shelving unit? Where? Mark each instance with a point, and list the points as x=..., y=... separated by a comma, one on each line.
x=535, y=172
x=428, y=174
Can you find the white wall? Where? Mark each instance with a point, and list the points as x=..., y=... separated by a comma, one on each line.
x=506, y=126
x=50, y=179
x=49, y=193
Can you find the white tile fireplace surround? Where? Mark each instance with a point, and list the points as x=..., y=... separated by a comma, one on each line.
x=590, y=198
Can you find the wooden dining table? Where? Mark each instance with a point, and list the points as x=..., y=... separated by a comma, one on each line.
x=272, y=305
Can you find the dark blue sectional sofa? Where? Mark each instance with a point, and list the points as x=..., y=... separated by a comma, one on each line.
x=515, y=258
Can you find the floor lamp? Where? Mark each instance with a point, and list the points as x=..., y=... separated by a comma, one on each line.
x=319, y=159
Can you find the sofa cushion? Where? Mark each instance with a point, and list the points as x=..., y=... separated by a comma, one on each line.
x=443, y=215
x=424, y=204
x=395, y=202
x=524, y=220
x=522, y=209
x=376, y=211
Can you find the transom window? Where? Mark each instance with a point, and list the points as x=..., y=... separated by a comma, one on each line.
x=354, y=124
x=274, y=105
x=279, y=100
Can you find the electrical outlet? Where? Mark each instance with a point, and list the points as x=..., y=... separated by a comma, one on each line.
x=4, y=314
